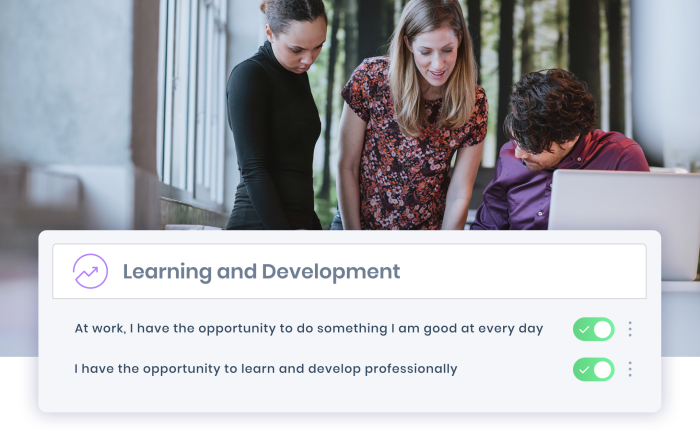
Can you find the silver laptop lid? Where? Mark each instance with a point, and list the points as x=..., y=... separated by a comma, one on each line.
x=622, y=200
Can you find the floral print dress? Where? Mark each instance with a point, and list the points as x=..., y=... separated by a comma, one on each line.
x=404, y=180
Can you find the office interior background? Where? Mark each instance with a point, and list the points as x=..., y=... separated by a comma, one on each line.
x=113, y=116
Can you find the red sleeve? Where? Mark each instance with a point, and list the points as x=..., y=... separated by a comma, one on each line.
x=357, y=91
x=632, y=159
x=479, y=122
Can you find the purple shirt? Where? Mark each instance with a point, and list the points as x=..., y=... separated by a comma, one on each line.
x=518, y=199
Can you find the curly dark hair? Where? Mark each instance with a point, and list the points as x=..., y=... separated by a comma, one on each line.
x=549, y=106
x=279, y=13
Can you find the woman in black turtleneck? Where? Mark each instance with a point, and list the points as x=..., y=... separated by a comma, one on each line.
x=275, y=121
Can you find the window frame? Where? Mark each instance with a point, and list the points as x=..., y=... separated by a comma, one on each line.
x=191, y=130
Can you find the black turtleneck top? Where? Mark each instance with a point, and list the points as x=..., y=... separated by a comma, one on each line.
x=275, y=126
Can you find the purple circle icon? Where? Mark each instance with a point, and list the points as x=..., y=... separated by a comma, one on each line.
x=92, y=271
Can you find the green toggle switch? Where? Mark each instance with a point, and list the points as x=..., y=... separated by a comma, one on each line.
x=594, y=369
x=594, y=329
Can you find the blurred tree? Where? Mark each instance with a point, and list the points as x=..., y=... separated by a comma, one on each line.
x=584, y=45
x=505, y=67
x=370, y=28
x=527, y=36
x=350, y=26
x=325, y=191
x=561, y=32
x=474, y=17
x=388, y=28
x=613, y=15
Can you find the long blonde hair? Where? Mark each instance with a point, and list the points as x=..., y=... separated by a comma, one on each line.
x=420, y=16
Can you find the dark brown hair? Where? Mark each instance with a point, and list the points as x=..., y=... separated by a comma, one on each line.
x=279, y=13
x=549, y=106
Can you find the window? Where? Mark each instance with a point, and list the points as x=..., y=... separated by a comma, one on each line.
x=191, y=98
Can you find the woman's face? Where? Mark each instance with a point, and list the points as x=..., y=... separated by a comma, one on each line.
x=435, y=54
x=297, y=48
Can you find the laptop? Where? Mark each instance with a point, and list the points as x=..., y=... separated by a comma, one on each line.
x=623, y=200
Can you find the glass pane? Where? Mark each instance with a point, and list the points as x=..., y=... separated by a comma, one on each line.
x=192, y=96
x=169, y=63
x=201, y=81
x=180, y=94
x=208, y=98
x=161, y=86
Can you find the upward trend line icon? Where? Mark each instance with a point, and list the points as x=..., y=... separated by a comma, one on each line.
x=94, y=269
x=89, y=260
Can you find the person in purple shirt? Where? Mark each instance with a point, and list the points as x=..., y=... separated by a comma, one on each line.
x=551, y=126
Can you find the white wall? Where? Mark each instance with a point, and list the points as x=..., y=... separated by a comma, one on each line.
x=68, y=100
x=65, y=81
x=680, y=93
x=665, y=94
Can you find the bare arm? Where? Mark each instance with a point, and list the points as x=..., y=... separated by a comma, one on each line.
x=459, y=193
x=351, y=139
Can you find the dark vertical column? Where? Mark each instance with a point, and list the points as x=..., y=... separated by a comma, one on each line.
x=474, y=18
x=325, y=192
x=527, y=53
x=613, y=14
x=350, y=27
x=389, y=7
x=144, y=115
x=561, y=32
x=505, y=67
x=144, y=93
x=370, y=28
x=584, y=45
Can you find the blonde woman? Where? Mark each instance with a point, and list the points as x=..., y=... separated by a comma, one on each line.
x=405, y=116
